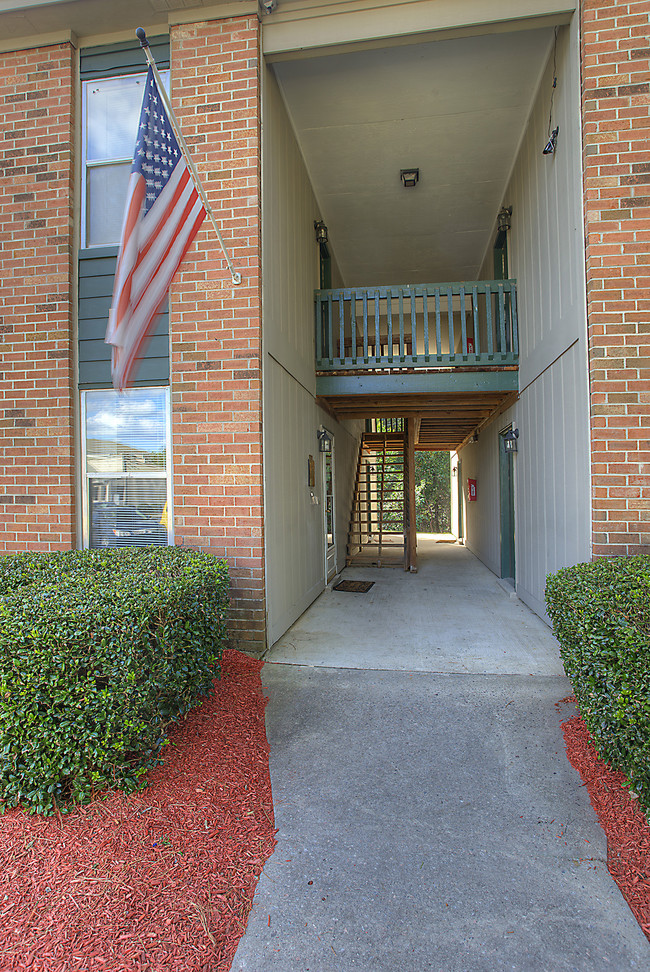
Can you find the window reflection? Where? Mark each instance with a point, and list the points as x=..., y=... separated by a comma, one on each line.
x=126, y=467
x=110, y=119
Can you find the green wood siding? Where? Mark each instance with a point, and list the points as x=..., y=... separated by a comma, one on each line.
x=96, y=274
x=128, y=57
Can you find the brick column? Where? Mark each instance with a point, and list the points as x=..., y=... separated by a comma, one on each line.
x=36, y=378
x=616, y=130
x=215, y=327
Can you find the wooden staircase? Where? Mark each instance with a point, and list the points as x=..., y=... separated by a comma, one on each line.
x=377, y=523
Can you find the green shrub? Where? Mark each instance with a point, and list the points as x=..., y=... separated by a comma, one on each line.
x=601, y=618
x=99, y=652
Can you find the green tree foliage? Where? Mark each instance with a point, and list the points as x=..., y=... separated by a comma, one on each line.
x=433, y=492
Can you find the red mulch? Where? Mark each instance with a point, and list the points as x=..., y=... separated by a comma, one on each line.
x=624, y=823
x=158, y=880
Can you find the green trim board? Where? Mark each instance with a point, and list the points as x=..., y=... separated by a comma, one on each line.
x=506, y=509
x=430, y=383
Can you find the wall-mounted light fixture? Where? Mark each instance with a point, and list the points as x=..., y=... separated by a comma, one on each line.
x=322, y=235
x=510, y=440
x=409, y=177
x=549, y=148
x=324, y=441
x=503, y=218
x=268, y=6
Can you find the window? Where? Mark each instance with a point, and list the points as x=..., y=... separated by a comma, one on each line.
x=111, y=110
x=127, y=474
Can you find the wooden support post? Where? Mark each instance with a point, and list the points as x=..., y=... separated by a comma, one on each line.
x=410, y=529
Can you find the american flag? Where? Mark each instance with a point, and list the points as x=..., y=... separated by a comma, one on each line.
x=163, y=213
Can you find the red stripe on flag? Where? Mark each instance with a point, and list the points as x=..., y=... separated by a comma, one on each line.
x=144, y=329
x=160, y=219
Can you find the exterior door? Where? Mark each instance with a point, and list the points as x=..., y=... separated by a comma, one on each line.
x=507, y=507
x=329, y=519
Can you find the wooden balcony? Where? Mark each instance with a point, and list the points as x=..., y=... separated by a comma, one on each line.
x=425, y=326
x=446, y=354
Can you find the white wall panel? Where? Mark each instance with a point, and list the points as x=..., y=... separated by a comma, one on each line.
x=294, y=528
x=552, y=497
x=546, y=244
x=546, y=256
x=290, y=257
x=480, y=461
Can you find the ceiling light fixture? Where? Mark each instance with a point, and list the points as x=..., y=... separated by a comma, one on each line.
x=409, y=177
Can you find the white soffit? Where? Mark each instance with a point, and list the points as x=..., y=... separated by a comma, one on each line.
x=455, y=109
x=28, y=23
x=296, y=27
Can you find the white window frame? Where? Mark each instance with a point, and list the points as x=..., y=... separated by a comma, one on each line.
x=168, y=474
x=94, y=163
x=333, y=549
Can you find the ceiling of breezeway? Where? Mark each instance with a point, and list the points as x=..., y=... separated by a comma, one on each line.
x=456, y=109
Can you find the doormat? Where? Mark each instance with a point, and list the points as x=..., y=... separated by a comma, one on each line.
x=355, y=587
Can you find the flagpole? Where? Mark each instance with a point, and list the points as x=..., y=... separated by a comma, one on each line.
x=144, y=44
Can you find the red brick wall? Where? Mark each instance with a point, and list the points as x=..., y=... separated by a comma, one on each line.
x=215, y=327
x=616, y=133
x=36, y=417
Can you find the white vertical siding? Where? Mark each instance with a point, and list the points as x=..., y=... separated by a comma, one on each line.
x=294, y=532
x=546, y=245
x=546, y=256
x=294, y=526
x=552, y=489
x=480, y=461
x=290, y=258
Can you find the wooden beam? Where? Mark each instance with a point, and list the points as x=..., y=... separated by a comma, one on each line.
x=425, y=384
x=418, y=423
x=327, y=407
x=410, y=527
x=503, y=407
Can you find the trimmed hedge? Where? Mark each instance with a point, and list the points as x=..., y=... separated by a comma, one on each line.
x=601, y=618
x=99, y=652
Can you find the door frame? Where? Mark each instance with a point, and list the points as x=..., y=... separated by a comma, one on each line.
x=506, y=509
x=330, y=551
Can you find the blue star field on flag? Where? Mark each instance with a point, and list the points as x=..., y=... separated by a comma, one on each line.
x=156, y=149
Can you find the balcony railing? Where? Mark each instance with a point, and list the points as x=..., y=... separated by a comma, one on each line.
x=470, y=324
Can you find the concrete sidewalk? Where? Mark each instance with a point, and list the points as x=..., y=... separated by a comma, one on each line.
x=430, y=821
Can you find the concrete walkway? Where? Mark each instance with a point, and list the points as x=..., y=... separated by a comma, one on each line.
x=428, y=817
